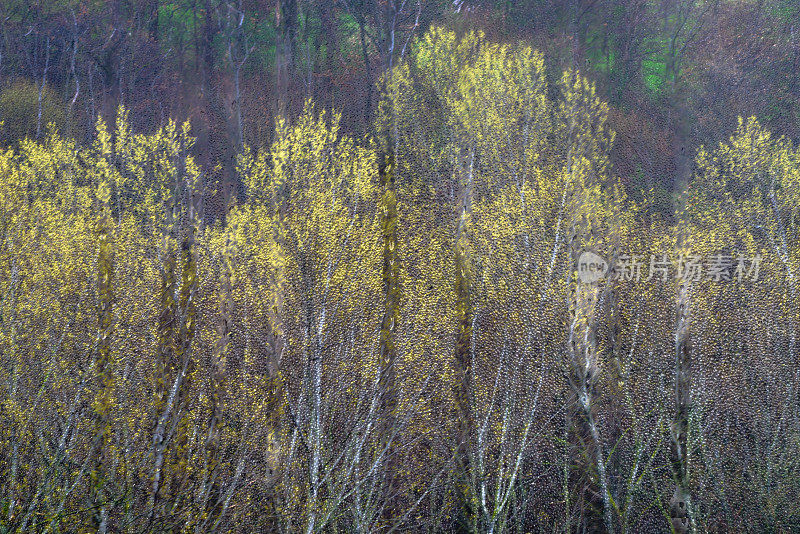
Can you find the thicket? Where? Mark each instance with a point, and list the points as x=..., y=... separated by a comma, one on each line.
x=388, y=333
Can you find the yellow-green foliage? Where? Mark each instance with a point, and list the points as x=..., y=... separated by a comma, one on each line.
x=161, y=369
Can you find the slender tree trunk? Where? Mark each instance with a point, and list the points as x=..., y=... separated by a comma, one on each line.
x=329, y=32
x=286, y=16
x=390, y=274
x=315, y=325
x=152, y=26
x=219, y=375
x=783, y=253
x=187, y=321
x=41, y=89
x=164, y=365
x=73, y=73
x=367, y=72
x=237, y=38
x=464, y=349
x=680, y=504
x=103, y=368
x=589, y=476
x=177, y=325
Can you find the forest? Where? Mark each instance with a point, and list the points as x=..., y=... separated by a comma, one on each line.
x=378, y=266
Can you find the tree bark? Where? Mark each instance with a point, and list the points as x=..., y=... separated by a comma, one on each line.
x=589, y=478
x=286, y=18
x=103, y=367
x=680, y=504
x=464, y=349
